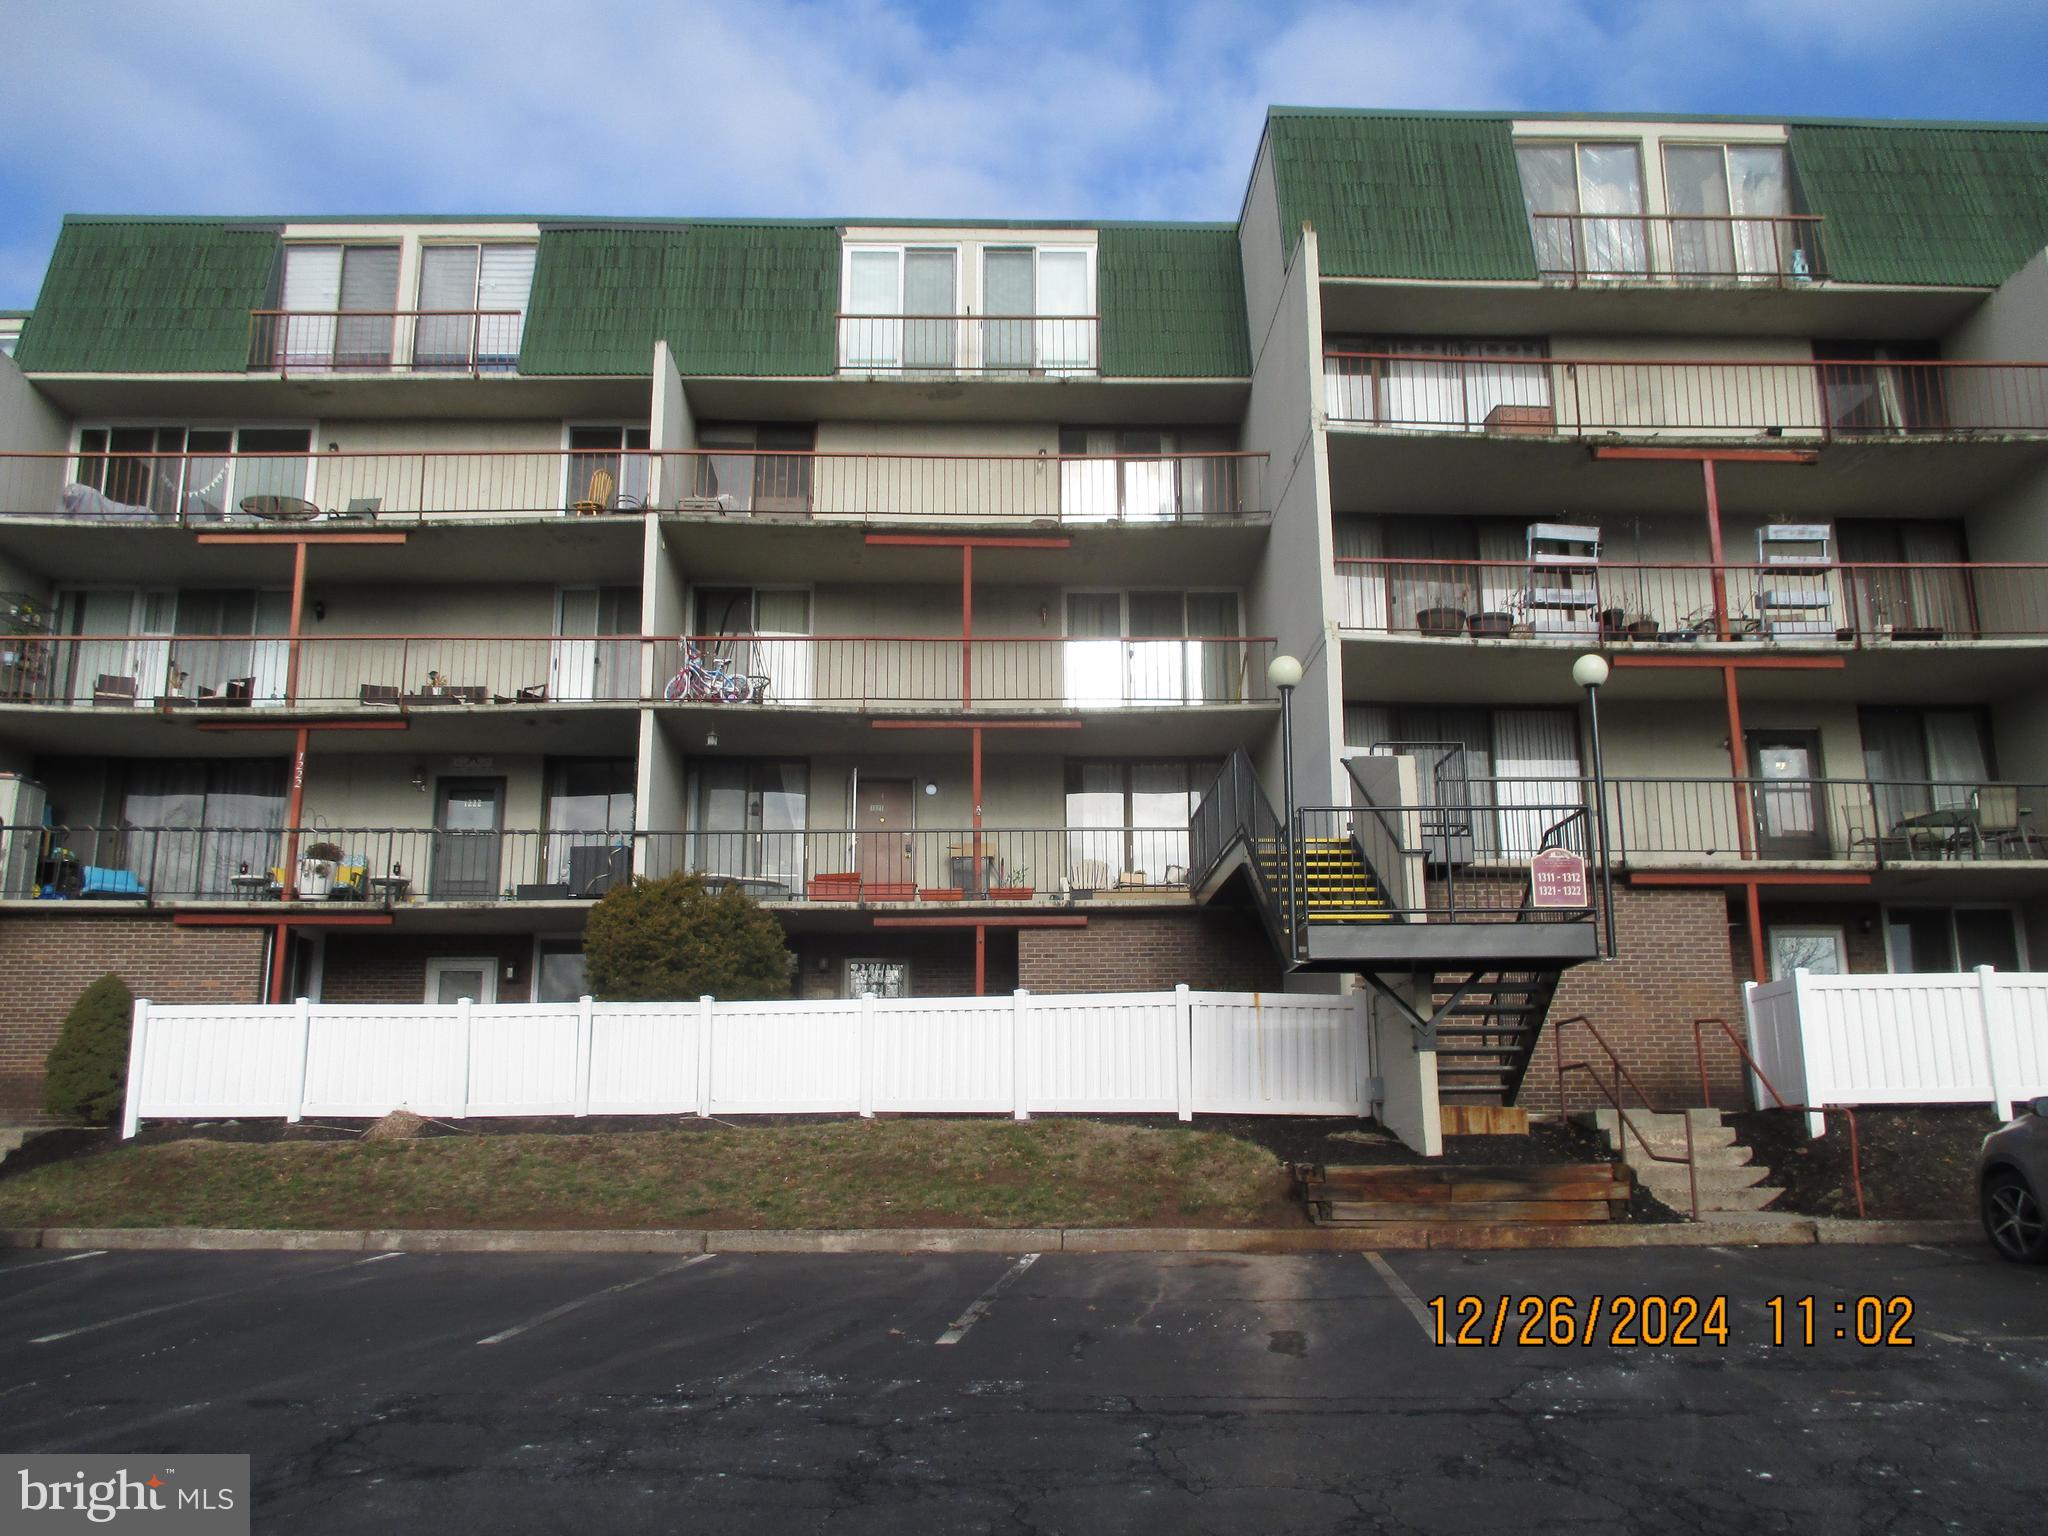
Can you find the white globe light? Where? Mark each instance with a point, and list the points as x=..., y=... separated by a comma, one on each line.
x=1590, y=670
x=1283, y=671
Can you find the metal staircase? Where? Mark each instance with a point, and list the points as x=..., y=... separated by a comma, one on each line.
x=1491, y=970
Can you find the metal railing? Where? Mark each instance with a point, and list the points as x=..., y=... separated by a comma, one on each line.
x=1015, y=345
x=1611, y=1090
x=475, y=342
x=201, y=489
x=1686, y=248
x=1699, y=1047
x=398, y=865
x=1234, y=810
x=1683, y=602
x=1065, y=488
x=200, y=672
x=1574, y=397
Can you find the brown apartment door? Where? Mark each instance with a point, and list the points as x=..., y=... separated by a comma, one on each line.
x=882, y=830
x=468, y=829
x=1790, y=820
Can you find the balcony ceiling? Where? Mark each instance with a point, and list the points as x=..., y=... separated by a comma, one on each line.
x=315, y=397
x=556, y=550
x=1528, y=309
x=1474, y=474
x=752, y=732
x=725, y=549
x=1409, y=669
x=143, y=733
x=1079, y=401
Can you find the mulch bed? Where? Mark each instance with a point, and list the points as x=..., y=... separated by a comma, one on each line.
x=1917, y=1162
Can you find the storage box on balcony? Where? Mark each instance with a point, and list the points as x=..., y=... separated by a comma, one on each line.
x=1523, y=419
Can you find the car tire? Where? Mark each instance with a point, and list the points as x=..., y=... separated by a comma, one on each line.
x=2014, y=1219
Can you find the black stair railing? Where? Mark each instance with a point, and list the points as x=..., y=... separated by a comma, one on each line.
x=1234, y=810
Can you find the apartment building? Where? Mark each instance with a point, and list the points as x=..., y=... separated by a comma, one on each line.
x=379, y=593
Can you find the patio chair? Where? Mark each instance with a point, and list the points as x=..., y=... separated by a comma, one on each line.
x=378, y=693
x=2002, y=821
x=109, y=689
x=239, y=693
x=599, y=497
x=359, y=509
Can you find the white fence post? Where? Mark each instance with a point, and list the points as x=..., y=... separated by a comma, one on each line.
x=131, y=1111
x=1816, y=1068
x=1361, y=1012
x=584, y=1005
x=1183, y=1053
x=1995, y=1014
x=706, y=1017
x=295, y=1089
x=867, y=1056
x=1020, y=1053
x=462, y=1014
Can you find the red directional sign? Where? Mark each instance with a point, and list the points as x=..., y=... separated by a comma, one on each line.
x=1557, y=881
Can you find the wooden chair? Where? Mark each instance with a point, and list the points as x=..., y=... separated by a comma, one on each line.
x=109, y=689
x=599, y=498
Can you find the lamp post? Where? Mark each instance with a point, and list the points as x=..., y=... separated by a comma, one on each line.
x=1590, y=673
x=1284, y=673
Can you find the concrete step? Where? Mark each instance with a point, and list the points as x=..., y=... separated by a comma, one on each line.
x=1731, y=1200
x=1715, y=1179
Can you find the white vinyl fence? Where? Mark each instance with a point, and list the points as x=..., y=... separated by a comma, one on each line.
x=1977, y=1037
x=1180, y=1052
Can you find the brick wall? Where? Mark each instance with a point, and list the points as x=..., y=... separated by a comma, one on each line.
x=1150, y=952
x=378, y=967
x=1675, y=965
x=941, y=962
x=45, y=962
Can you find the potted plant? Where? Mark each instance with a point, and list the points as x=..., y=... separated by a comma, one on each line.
x=1013, y=887
x=317, y=865
x=1640, y=626
x=1491, y=626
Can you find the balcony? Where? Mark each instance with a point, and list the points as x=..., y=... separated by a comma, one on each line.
x=410, y=673
x=1723, y=822
x=1793, y=401
x=263, y=489
x=1685, y=250
x=1830, y=606
x=983, y=346
x=398, y=867
x=454, y=343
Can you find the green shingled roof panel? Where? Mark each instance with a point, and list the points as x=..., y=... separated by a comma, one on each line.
x=1413, y=197
x=1172, y=302
x=149, y=298
x=1958, y=207
x=729, y=299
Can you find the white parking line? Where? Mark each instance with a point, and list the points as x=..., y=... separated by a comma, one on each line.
x=69, y=1258
x=189, y=1301
x=583, y=1301
x=978, y=1308
x=1402, y=1294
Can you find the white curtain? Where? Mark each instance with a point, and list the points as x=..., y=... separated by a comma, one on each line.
x=1536, y=760
x=312, y=292
x=1758, y=183
x=1611, y=182
x=504, y=281
x=1550, y=185
x=873, y=288
x=1362, y=588
x=1955, y=756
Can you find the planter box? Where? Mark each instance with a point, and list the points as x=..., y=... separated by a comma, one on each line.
x=1525, y=419
x=890, y=890
x=939, y=893
x=1441, y=621
x=1491, y=626
x=1011, y=892
x=833, y=888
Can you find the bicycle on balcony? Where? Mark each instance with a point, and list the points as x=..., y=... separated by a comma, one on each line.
x=713, y=680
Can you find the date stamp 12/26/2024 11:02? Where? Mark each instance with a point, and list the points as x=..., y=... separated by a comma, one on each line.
x=1655, y=1321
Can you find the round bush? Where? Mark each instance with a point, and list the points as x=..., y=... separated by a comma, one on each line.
x=669, y=939
x=86, y=1073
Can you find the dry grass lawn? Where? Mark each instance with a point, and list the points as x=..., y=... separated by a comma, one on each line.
x=842, y=1173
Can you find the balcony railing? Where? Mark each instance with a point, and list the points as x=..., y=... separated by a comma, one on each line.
x=1720, y=820
x=1014, y=346
x=410, y=672
x=204, y=489
x=1682, y=249
x=475, y=342
x=400, y=865
x=1578, y=397
x=1679, y=603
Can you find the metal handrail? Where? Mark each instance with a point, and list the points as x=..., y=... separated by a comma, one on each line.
x=1623, y=1075
x=1707, y=1097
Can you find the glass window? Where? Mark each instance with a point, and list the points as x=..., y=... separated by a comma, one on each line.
x=193, y=824
x=1585, y=204
x=561, y=976
x=1127, y=821
x=608, y=467
x=1819, y=950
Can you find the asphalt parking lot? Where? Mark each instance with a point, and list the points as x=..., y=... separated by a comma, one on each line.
x=1073, y=1393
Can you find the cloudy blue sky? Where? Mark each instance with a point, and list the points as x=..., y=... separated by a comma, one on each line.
x=912, y=107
